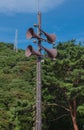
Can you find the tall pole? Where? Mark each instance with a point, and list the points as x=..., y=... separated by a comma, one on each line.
x=30, y=51
x=16, y=41
x=38, y=88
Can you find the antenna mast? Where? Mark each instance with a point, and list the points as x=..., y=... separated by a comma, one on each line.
x=16, y=41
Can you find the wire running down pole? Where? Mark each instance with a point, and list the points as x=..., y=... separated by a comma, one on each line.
x=38, y=89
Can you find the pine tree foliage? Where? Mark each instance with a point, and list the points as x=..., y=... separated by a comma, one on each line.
x=62, y=88
x=17, y=84
x=63, y=85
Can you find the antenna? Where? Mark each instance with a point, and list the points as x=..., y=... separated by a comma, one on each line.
x=16, y=41
x=37, y=4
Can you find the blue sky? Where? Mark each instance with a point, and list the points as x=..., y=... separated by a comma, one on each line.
x=65, y=18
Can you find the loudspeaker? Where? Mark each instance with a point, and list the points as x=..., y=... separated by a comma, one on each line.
x=30, y=51
x=31, y=34
x=52, y=53
x=50, y=37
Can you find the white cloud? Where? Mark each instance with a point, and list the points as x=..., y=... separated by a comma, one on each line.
x=28, y=6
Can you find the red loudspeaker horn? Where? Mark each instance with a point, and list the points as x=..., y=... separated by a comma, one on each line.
x=30, y=51
x=50, y=37
x=52, y=53
x=31, y=34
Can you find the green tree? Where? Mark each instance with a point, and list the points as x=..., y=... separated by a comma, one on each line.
x=17, y=89
x=63, y=81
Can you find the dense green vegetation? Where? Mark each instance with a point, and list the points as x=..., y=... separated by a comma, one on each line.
x=62, y=89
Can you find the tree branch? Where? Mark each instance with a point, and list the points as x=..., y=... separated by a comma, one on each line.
x=54, y=104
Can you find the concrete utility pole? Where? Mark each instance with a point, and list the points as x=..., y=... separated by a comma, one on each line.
x=50, y=38
x=38, y=88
